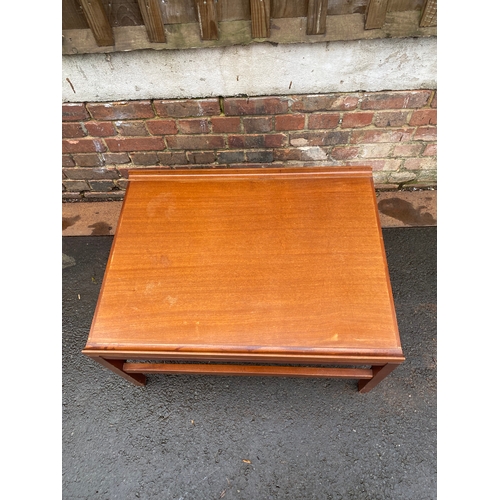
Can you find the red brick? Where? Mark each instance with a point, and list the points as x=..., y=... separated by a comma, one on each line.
x=323, y=120
x=67, y=161
x=76, y=185
x=90, y=173
x=288, y=154
x=370, y=136
x=333, y=102
x=187, y=107
x=330, y=138
x=162, y=127
x=430, y=150
x=257, y=125
x=144, y=158
x=434, y=100
x=124, y=172
x=257, y=165
x=420, y=163
x=406, y=150
x=375, y=164
x=255, y=106
x=195, y=142
x=275, y=140
x=356, y=120
x=314, y=153
x=425, y=134
x=73, y=112
x=290, y=122
x=380, y=183
x=257, y=141
x=201, y=157
x=135, y=144
x=125, y=110
x=424, y=117
x=390, y=118
x=396, y=100
x=175, y=158
x=70, y=130
x=82, y=146
x=230, y=157
x=194, y=126
x=88, y=160
x=132, y=128
x=116, y=158
x=245, y=141
x=260, y=156
x=100, y=129
x=104, y=185
x=112, y=195
x=71, y=196
x=344, y=153
x=380, y=150
x=225, y=124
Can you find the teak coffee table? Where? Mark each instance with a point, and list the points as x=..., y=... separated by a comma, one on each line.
x=260, y=271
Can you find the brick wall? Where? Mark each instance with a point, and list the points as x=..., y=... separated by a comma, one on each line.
x=394, y=132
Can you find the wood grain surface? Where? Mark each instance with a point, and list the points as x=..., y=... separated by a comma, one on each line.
x=253, y=262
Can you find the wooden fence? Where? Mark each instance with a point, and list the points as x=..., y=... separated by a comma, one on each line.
x=121, y=25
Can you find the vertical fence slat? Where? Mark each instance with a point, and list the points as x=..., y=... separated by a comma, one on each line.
x=72, y=16
x=429, y=14
x=98, y=22
x=151, y=14
x=229, y=10
x=261, y=18
x=316, y=17
x=207, y=17
x=375, y=17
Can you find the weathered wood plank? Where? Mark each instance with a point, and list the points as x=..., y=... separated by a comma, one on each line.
x=229, y=10
x=123, y=12
x=316, y=17
x=207, y=18
x=98, y=22
x=401, y=5
x=179, y=11
x=285, y=8
x=287, y=30
x=375, y=17
x=73, y=16
x=429, y=14
x=341, y=7
x=151, y=14
x=261, y=18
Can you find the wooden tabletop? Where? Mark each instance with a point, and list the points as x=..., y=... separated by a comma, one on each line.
x=254, y=261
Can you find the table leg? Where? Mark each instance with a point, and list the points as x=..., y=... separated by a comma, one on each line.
x=379, y=373
x=116, y=366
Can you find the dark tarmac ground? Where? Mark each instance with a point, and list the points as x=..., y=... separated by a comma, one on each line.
x=208, y=437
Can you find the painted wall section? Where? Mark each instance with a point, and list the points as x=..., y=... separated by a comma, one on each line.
x=255, y=70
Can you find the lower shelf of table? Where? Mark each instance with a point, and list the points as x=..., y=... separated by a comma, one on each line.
x=135, y=372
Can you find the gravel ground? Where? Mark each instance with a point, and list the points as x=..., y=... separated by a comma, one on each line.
x=207, y=437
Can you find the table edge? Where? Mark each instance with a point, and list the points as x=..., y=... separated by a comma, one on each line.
x=225, y=173
x=296, y=355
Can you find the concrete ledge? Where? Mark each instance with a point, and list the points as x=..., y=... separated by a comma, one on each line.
x=255, y=70
x=396, y=209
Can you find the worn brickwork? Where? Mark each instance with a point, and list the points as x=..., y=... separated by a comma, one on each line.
x=394, y=132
